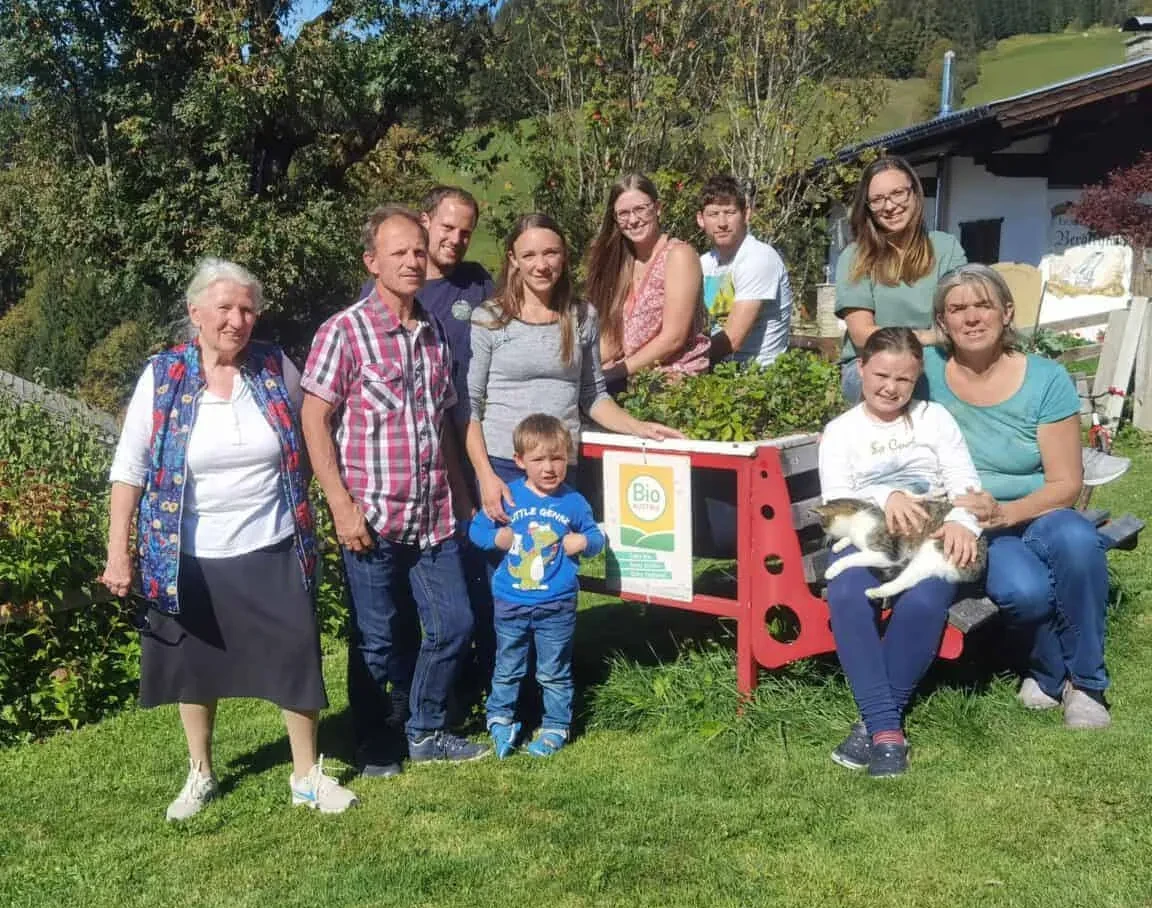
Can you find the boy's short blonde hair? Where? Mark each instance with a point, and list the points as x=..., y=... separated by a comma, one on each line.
x=540, y=428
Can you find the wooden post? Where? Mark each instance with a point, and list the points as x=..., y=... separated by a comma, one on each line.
x=1142, y=395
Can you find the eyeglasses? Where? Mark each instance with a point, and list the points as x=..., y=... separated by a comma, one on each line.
x=897, y=197
x=639, y=213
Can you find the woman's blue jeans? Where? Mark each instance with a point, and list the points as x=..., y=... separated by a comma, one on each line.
x=1050, y=579
x=883, y=670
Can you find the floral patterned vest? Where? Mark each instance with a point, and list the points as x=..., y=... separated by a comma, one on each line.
x=178, y=384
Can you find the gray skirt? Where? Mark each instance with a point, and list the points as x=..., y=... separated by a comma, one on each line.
x=246, y=628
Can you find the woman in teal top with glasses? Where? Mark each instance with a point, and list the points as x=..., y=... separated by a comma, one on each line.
x=888, y=275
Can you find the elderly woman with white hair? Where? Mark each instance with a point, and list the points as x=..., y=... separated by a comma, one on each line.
x=211, y=463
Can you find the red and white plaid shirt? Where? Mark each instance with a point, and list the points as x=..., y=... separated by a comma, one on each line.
x=393, y=389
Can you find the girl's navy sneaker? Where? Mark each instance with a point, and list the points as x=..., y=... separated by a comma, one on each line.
x=855, y=751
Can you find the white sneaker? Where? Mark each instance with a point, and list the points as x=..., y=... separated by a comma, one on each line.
x=321, y=792
x=1081, y=711
x=1033, y=697
x=198, y=790
x=1101, y=468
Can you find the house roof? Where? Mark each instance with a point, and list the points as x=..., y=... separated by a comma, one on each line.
x=1012, y=113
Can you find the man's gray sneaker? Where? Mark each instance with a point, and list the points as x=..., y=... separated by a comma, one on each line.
x=1032, y=697
x=445, y=747
x=1084, y=711
x=198, y=790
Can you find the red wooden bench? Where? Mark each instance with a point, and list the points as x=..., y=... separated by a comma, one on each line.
x=780, y=553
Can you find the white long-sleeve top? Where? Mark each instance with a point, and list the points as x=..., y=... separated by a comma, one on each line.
x=233, y=493
x=923, y=455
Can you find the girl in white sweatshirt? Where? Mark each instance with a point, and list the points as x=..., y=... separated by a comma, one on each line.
x=891, y=450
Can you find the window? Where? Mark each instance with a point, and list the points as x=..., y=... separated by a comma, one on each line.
x=981, y=240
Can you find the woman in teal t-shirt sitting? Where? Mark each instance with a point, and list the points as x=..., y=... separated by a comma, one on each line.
x=1020, y=416
x=887, y=277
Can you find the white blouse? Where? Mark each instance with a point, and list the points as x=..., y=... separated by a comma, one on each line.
x=234, y=498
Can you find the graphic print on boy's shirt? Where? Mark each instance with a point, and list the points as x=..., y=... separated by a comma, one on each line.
x=536, y=570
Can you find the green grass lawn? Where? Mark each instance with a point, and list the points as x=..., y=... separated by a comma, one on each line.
x=667, y=798
x=1015, y=65
x=1025, y=62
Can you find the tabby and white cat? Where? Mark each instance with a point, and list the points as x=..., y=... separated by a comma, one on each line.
x=851, y=521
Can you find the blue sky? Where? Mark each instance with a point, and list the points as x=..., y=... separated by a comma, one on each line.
x=307, y=10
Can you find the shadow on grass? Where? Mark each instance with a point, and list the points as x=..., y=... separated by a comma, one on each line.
x=333, y=739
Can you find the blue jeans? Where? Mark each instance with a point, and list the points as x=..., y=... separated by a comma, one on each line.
x=850, y=385
x=552, y=629
x=1050, y=579
x=884, y=670
x=395, y=590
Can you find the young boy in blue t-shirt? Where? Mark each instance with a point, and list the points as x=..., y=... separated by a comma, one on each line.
x=534, y=588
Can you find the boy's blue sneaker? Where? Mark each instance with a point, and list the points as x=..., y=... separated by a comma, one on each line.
x=547, y=744
x=504, y=735
x=445, y=747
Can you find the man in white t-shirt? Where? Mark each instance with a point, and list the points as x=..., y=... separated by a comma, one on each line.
x=746, y=289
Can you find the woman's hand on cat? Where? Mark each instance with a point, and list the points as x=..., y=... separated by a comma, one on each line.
x=958, y=542
x=986, y=509
x=903, y=515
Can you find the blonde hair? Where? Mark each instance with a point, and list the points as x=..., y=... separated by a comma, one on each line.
x=885, y=258
x=537, y=429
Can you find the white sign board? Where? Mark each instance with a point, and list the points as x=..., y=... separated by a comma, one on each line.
x=648, y=520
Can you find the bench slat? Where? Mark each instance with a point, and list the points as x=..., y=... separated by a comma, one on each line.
x=801, y=458
x=1123, y=532
x=968, y=614
x=802, y=516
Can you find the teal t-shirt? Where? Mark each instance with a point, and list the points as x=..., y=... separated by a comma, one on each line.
x=902, y=306
x=1002, y=437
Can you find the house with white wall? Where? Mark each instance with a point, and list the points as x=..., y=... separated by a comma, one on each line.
x=999, y=176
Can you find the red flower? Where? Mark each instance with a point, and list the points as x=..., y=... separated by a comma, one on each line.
x=177, y=369
x=153, y=588
x=293, y=461
x=160, y=474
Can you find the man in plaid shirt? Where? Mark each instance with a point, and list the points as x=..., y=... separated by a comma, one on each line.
x=380, y=375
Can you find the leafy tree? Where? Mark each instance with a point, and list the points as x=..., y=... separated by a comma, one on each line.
x=1122, y=206
x=681, y=89
x=153, y=132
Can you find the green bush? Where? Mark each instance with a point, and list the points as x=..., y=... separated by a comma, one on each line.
x=58, y=667
x=799, y=392
x=331, y=606
x=111, y=370
x=1051, y=344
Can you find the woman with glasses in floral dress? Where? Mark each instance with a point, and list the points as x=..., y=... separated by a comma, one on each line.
x=646, y=288
x=888, y=275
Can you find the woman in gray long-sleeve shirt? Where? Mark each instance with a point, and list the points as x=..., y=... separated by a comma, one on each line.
x=535, y=349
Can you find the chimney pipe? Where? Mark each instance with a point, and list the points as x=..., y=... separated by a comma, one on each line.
x=946, y=84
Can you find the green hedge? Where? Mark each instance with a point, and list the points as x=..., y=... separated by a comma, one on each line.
x=59, y=667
